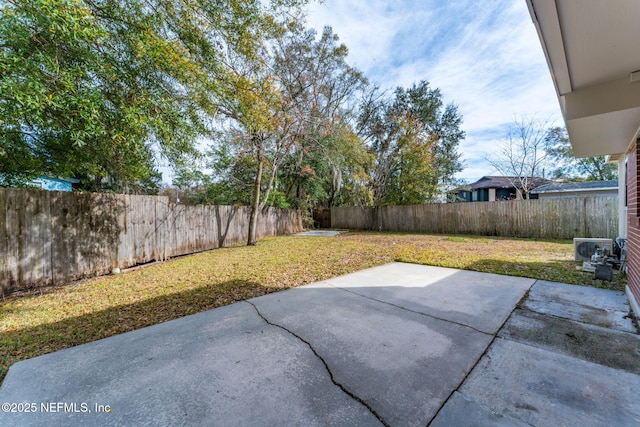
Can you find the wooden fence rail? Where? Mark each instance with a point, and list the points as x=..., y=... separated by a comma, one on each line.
x=552, y=218
x=49, y=238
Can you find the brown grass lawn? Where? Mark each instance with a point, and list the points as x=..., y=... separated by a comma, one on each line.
x=32, y=324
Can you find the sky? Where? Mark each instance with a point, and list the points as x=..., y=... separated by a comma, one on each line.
x=483, y=55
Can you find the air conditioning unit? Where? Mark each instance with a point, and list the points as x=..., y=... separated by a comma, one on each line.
x=583, y=248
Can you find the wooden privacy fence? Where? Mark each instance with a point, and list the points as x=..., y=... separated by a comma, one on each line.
x=553, y=218
x=54, y=237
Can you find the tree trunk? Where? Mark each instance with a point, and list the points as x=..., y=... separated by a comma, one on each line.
x=255, y=206
x=272, y=177
x=336, y=183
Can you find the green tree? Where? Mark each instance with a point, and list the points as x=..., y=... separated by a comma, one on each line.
x=414, y=143
x=568, y=167
x=296, y=96
x=97, y=87
x=255, y=134
x=448, y=134
x=322, y=90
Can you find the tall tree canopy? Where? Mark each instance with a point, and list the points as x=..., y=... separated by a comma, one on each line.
x=414, y=141
x=568, y=167
x=322, y=90
x=325, y=149
x=296, y=149
x=92, y=87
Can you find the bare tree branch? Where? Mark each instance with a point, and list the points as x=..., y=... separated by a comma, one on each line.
x=522, y=157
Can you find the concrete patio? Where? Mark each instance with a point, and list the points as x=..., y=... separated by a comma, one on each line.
x=397, y=345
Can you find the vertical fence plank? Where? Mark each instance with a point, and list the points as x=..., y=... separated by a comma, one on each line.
x=104, y=232
x=36, y=239
x=125, y=250
x=120, y=258
x=161, y=235
x=85, y=237
x=14, y=205
x=63, y=233
x=45, y=239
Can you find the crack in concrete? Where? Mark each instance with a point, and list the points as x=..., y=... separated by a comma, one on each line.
x=486, y=350
x=326, y=366
x=410, y=310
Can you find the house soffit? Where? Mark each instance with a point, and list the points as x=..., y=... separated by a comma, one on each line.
x=591, y=47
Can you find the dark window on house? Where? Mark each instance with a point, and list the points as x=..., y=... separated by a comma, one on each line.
x=463, y=196
x=483, y=195
x=504, y=194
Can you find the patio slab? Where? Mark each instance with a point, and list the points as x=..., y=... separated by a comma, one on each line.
x=396, y=345
x=544, y=388
x=402, y=364
x=479, y=300
x=609, y=347
x=225, y=367
x=460, y=411
x=602, y=307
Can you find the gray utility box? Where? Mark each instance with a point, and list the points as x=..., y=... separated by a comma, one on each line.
x=583, y=248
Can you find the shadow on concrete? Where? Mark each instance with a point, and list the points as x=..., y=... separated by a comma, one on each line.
x=31, y=342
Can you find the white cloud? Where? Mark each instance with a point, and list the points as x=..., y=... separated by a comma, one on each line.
x=484, y=56
x=363, y=26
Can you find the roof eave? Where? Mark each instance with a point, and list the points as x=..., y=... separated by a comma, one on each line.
x=602, y=118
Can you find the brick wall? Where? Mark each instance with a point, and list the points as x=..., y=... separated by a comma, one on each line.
x=633, y=222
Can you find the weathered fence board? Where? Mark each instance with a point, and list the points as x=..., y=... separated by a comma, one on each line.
x=54, y=237
x=4, y=277
x=552, y=218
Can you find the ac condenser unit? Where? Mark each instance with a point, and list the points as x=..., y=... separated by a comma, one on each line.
x=583, y=248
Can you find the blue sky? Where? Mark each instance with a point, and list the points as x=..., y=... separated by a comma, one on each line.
x=484, y=55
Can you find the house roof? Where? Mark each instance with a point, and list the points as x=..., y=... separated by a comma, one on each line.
x=592, y=50
x=561, y=187
x=59, y=179
x=504, y=182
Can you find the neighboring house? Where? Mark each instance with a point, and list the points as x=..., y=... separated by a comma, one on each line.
x=564, y=190
x=55, y=184
x=494, y=188
x=593, y=54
